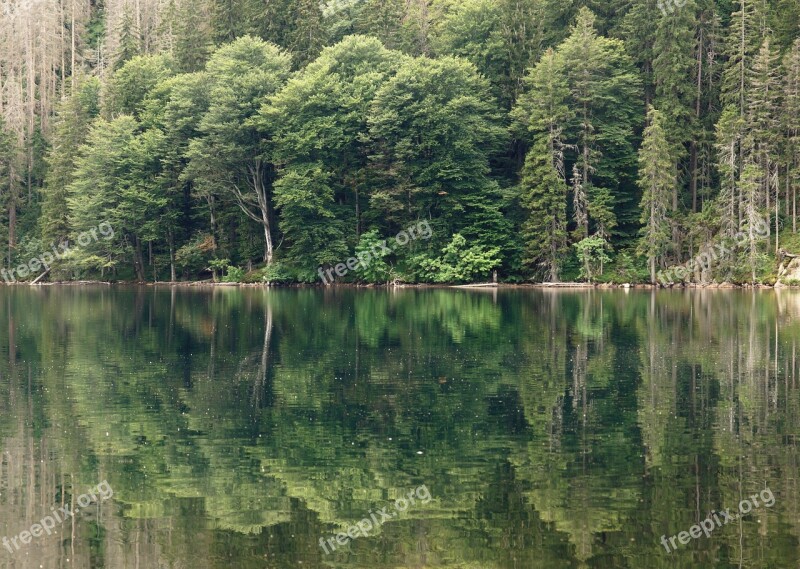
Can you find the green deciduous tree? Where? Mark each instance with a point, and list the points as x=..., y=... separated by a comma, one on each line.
x=127, y=89
x=460, y=262
x=228, y=156
x=318, y=127
x=475, y=30
x=592, y=256
x=116, y=182
x=434, y=125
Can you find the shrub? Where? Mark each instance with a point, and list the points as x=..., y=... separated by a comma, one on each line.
x=458, y=263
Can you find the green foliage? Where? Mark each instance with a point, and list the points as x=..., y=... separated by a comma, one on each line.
x=604, y=86
x=434, y=125
x=279, y=132
x=308, y=214
x=226, y=159
x=458, y=262
x=318, y=124
x=234, y=275
x=627, y=268
x=276, y=273
x=218, y=266
x=195, y=255
x=117, y=177
x=657, y=180
x=592, y=256
x=127, y=89
x=378, y=269
x=475, y=30
x=543, y=195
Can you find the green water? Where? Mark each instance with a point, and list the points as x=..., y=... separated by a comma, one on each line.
x=237, y=427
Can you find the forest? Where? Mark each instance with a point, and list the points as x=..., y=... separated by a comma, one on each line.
x=606, y=141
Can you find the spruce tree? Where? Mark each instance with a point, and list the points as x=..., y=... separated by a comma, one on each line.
x=791, y=127
x=543, y=196
x=603, y=85
x=73, y=120
x=750, y=183
x=129, y=41
x=763, y=124
x=657, y=180
x=728, y=142
x=544, y=108
x=673, y=66
x=741, y=45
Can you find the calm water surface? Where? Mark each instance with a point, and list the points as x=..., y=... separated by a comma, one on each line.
x=551, y=429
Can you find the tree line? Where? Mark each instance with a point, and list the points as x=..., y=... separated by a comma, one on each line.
x=540, y=140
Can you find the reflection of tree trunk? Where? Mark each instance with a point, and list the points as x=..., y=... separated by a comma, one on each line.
x=171, y=257
x=261, y=379
x=212, y=352
x=12, y=220
x=12, y=337
x=170, y=331
x=579, y=376
x=72, y=518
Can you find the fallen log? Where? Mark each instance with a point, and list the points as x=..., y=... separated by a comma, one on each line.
x=40, y=277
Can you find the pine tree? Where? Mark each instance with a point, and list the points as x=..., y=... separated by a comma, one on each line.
x=791, y=127
x=763, y=124
x=657, y=180
x=744, y=39
x=673, y=66
x=544, y=109
x=194, y=35
x=9, y=177
x=382, y=19
x=230, y=19
x=309, y=35
x=728, y=142
x=129, y=40
x=73, y=121
x=750, y=185
x=580, y=206
x=543, y=196
x=603, y=83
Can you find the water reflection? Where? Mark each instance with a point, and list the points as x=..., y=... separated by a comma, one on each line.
x=553, y=428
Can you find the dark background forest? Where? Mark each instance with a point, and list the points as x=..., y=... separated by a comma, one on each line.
x=253, y=140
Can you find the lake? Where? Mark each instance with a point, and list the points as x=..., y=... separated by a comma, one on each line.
x=514, y=428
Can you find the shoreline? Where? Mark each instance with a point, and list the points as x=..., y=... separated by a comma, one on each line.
x=473, y=286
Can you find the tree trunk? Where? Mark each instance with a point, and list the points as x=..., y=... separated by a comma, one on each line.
x=260, y=187
x=138, y=259
x=267, y=238
x=698, y=98
x=171, y=239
